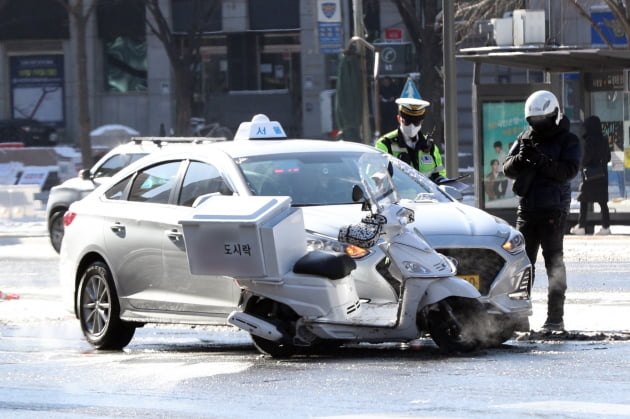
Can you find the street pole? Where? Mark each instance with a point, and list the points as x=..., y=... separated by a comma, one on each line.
x=357, y=7
x=451, y=140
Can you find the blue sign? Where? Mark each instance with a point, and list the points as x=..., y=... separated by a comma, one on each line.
x=329, y=37
x=410, y=91
x=329, y=26
x=610, y=27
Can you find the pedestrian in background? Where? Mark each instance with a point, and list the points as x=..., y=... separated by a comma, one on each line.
x=388, y=92
x=596, y=156
x=542, y=162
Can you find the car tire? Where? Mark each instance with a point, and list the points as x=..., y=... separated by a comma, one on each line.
x=56, y=229
x=99, y=310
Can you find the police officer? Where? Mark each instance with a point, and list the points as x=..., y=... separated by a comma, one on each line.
x=409, y=144
x=543, y=160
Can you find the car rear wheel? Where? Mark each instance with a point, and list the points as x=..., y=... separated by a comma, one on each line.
x=99, y=310
x=55, y=229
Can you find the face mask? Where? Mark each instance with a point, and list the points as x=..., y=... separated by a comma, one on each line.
x=410, y=130
x=542, y=125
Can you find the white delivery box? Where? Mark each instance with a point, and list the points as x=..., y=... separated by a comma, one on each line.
x=244, y=237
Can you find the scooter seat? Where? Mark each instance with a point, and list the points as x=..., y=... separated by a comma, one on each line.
x=329, y=265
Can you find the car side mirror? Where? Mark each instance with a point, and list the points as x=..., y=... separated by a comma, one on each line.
x=357, y=193
x=452, y=192
x=85, y=174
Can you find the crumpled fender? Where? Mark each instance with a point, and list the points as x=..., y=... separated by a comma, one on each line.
x=448, y=287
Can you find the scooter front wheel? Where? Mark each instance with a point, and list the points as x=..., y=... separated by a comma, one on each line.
x=457, y=324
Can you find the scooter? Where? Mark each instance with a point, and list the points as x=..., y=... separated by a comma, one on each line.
x=316, y=305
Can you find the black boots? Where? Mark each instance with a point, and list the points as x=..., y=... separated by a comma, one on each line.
x=555, y=312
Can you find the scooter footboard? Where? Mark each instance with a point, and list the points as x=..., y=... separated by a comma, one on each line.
x=448, y=287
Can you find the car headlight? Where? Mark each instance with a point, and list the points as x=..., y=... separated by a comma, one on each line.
x=515, y=243
x=315, y=241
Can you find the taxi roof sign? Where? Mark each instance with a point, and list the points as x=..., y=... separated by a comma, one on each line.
x=260, y=127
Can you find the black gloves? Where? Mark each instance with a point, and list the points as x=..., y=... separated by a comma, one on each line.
x=437, y=178
x=530, y=155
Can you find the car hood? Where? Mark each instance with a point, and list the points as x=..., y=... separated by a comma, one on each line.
x=438, y=222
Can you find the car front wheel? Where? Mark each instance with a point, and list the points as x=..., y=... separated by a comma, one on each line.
x=99, y=310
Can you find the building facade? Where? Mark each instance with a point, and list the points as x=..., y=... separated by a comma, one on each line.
x=279, y=57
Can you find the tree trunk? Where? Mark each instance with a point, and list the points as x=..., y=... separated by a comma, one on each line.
x=427, y=42
x=183, y=93
x=431, y=82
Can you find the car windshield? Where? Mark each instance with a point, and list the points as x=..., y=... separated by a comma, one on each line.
x=411, y=184
x=322, y=178
x=115, y=163
x=325, y=178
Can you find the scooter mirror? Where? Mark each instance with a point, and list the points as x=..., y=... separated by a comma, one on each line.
x=357, y=193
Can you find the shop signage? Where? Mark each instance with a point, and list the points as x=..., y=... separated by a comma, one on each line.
x=600, y=82
x=37, y=88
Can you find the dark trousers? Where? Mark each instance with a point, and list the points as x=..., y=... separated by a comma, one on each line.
x=545, y=229
x=584, y=208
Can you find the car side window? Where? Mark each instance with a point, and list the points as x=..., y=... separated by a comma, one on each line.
x=201, y=179
x=155, y=183
x=117, y=192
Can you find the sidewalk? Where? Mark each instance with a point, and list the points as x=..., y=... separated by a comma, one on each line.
x=24, y=227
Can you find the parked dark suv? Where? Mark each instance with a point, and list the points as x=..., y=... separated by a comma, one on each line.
x=29, y=132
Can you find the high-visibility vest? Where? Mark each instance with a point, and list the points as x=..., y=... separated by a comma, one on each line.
x=428, y=163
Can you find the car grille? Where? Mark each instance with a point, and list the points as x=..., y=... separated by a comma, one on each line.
x=483, y=262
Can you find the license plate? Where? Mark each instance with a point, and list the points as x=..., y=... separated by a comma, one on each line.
x=473, y=279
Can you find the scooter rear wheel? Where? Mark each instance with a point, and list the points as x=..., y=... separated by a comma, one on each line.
x=458, y=324
x=273, y=312
x=273, y=349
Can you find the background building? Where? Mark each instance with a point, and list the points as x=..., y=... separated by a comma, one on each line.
x=279, y=57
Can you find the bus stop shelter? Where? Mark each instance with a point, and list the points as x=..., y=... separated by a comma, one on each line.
x=498, y=108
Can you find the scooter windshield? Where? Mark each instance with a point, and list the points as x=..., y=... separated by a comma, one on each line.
x=374, y=170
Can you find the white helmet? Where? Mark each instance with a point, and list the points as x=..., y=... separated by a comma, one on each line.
x=542, y=104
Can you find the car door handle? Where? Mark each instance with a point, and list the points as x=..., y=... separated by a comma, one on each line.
x=175, y=236
x=118, y=228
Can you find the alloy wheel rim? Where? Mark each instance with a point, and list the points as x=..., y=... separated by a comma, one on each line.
x=96, y=305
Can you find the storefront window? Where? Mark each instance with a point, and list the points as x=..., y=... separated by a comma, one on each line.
x=121, y=26
x=275, y=71
x=126, y=64
x=572, y=99
x=610, y=106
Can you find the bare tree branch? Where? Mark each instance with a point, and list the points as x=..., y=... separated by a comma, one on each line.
x=620, y=10
x=588, y=17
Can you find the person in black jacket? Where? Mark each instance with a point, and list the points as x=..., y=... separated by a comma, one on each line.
x=596, y=154
x=542, y=162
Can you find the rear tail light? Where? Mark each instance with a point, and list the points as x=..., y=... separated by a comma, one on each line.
x=68, y=218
